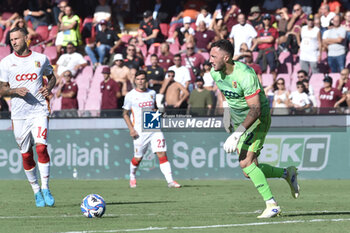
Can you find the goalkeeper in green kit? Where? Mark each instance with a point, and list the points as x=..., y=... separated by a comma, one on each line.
x=250, y=114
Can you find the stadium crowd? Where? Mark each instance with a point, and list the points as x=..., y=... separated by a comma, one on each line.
x=299, y=49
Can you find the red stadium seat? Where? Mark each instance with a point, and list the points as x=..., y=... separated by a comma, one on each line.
x=174, y=48
x=4, y=51
x=285, y=59
x=53, y=32
x=3, y=40
x=51, y=53
x=1, y=33
x=6, y=15
x=125, y=38
x=164, y=29
x=154, y=48
x=43, y=31
x=38, y=48
x=93, y=101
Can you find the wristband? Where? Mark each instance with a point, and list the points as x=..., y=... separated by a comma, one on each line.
x=240, y=129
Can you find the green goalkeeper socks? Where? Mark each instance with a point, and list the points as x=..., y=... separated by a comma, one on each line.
x=259, y=180
x=271, y=172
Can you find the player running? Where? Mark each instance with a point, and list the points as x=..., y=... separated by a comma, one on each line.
x=21, y=77
x=138, y=98
x=251, y=119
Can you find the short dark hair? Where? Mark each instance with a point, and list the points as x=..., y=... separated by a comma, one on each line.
x=154, y=55
x=22, y=30
x=225, y=45
x=300, y=83
x=177, y=55
x=140, y=72
x=303, y=71
x=171, y=71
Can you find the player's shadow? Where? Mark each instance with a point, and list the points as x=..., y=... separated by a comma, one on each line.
x=196, y=186
x=317, y=214
x=137, y=202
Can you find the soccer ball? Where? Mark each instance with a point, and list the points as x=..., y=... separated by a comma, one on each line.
x=93, y=206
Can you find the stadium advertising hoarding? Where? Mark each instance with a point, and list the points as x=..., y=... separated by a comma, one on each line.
x=106, y=154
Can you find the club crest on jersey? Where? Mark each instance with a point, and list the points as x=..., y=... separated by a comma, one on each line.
x=234, y=84
x=37, y=64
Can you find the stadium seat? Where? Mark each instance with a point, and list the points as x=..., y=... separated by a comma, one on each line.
x=125, y=38
x=53, y=33
x=6, y=15
x=286, y=60
x=83, y=80
x=1, y=33
x=174, y=48
x=154, y=48
x=347, y=60
x=267, y=79
x=148, y=60
x=143, y=50
x=93, y=100
x=205, y=55
x=38, y=48
x=172, y=28
x=51, y=53
x=43, y=32
x=3, y=40
x=4, y=51
x=287, y=80
x=164, y=29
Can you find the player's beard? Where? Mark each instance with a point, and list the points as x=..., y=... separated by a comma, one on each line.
x=220, y=66
x=20, y=49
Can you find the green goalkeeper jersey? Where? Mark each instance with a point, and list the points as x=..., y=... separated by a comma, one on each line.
x=238, y=86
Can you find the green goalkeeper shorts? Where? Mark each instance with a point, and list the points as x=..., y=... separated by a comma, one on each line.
x=253, y=139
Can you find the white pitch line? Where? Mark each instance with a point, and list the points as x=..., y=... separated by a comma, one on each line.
x=154, y=214
x=216, y=226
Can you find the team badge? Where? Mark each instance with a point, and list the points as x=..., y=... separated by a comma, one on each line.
x=37, y=64
x=152, y=97
x=234, y=84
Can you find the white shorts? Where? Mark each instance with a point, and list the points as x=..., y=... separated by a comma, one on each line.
x=59, y=38
x=30, y=131
x=156, y=139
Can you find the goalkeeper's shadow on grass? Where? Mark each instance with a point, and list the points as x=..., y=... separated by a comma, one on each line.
x=138, y=202
x=317, y=214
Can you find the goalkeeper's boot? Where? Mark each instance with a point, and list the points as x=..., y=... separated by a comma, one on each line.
x=272, y=210
x=292, y=173
x=39, y=200
x=174, y=184
x=132, y=183
x=49, y=200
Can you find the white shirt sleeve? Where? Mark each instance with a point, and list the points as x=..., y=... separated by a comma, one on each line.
x=127, y=103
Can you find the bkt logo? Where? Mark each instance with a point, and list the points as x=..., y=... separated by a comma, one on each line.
x=307, y=152
x=146, y=104
x=24, y=77
x=230, y=94
x=151, y=120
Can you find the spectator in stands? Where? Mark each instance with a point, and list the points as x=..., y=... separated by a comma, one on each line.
x=192, y=60
x=242, y=33
x=328, y=96
x=231, y=15
x=222, y=33
x=282, y=19
x=58, y=11
x=107, y=41
x=248, y=58
x=38, y=14
x=191, y=9
x=71, y=61
x=310, y=46
x=326, y=17
x=272, y=5
x=280, y=102
x=343, y=84
x=149, y=30
x=182, y=33
x=132, y=61
x=166, y=57
x=122, y=75
x=204, y=37
x=182, y=73
x=265, y=41
x=209, y=83
x=205, y=16
x=334, y=5
x=133, y=41
x=68, y=89
x=102, y=12
x=155, y=74
x=255, y=17
x=298, y=19
x=334, y=41
x=201, y=100
x=110, y=93
x=219, y=13
x=70, y=28
x=346, y=25
x=309, y=90
x=21, y=23
x=6, y=23
x=174, y=91
x=301, y=75
x=121, y=9
x=299, y=101
x=242, y=53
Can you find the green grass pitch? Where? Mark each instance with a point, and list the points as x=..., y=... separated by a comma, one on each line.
x=200, y=206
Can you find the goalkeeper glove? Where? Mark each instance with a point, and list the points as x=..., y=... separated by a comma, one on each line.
x=231, y=142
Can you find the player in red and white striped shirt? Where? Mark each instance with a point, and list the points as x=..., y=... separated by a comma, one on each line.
x=21, y=77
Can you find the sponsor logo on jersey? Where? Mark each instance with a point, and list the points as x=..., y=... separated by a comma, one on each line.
x=146, y=104
x=230, y=94
x=24, y=77
x=37, y=64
